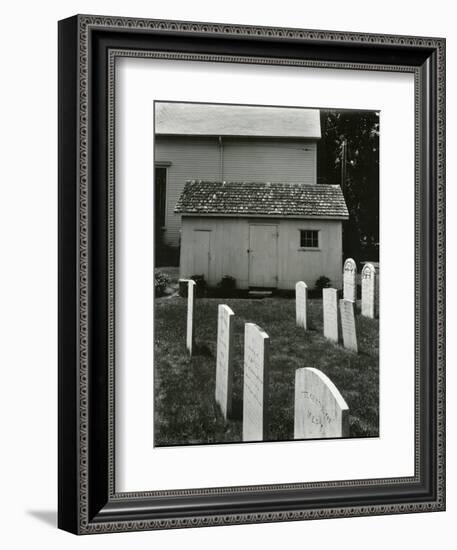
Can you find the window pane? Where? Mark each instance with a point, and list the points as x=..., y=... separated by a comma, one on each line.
x=309, y=238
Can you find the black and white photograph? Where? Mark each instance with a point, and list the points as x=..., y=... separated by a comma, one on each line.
x=266, y=273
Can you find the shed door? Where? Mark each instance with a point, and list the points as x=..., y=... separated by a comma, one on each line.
x=201, y=252
x=263, y=256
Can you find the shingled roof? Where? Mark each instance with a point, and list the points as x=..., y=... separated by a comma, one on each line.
x=262, y=199
x=199, y=119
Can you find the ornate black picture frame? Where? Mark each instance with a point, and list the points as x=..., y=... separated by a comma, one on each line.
x=88, y=501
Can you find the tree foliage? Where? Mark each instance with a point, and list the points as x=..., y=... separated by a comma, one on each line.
x=348, y=154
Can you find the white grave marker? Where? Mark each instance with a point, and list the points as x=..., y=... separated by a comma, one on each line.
x=320, y=410
x=369, y=290
x=255, y=387
x=301, y=304
x=224, y=359
x=349, y=280
x=190, y=315
x=330, y=308
x=348, y=325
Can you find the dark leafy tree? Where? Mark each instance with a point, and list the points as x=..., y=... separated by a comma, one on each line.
x=348, y=154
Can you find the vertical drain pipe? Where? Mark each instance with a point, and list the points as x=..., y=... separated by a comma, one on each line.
x=221, y=159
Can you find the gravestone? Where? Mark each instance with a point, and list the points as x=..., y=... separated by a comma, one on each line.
x=190, y=316
x=330, y=308
x=348, y=327
x=301, y=304
x=224, y=359
x=369, y=291
x=320, y=410
x=255, y=386
x=350, y=280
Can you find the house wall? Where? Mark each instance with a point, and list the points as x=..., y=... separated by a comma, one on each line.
x=242, y=159
x=229, y=243
x=286, y=160
x=190, y=159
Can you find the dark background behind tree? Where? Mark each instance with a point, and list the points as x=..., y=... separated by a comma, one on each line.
x=348, y=154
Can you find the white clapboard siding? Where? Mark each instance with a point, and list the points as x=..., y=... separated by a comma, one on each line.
x=229, y=244
x=242, y=159
x=191, y=158
x=285, y=161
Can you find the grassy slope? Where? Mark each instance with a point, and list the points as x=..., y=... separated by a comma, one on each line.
x=185, y=411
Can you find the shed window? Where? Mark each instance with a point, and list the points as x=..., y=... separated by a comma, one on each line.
x=160, y=195
x=309, y=238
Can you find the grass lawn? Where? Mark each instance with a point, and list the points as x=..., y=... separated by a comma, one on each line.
x=185, y=409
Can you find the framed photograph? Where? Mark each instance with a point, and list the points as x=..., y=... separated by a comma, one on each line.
x=251, y=274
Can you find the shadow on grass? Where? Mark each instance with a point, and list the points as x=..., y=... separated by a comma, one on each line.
x=237, y=410
x=202, y=349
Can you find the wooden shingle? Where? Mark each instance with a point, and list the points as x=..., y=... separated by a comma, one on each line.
x=262, y=199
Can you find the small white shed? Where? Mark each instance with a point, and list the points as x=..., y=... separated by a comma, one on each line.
x=265, y=235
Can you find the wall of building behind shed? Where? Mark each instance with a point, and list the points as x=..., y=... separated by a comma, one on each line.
x=229, y=243
x=243, y=159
